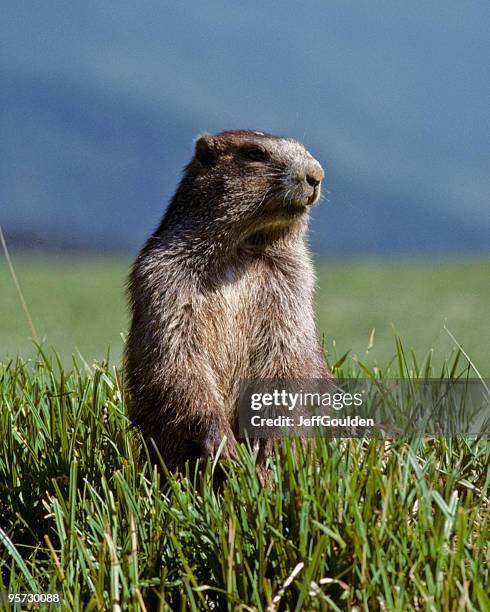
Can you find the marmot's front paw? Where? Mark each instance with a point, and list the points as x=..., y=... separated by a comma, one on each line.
x=212, y=440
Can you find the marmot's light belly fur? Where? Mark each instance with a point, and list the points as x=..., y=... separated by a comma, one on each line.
x=223, y=291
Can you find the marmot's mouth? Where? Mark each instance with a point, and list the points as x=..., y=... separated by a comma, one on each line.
x=289, y=206
x=315, y=196
x=299, y=204
x=303, y=198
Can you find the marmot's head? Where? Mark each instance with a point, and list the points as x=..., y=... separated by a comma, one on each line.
x=252, y=177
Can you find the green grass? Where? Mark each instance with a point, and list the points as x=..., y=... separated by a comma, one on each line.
x=80, y=304
x=381, y=525
x=391, y=525
x=414, y=298
x=75, y=303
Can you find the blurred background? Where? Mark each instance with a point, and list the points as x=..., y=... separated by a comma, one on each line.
x=100, y=103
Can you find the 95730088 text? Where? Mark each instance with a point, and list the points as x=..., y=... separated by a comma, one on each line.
x=25, y=598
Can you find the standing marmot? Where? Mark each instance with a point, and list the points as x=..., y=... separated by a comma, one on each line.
x=223, y=291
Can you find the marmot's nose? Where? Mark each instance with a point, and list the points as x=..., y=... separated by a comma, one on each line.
x=312, y=180
x=314, y=174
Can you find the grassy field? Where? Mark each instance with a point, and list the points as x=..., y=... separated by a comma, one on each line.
x=79, y=304
x=346, y=524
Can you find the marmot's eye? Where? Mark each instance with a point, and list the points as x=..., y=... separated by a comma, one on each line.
x=255, y=153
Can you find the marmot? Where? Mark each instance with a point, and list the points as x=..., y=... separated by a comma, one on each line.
x=223, y=291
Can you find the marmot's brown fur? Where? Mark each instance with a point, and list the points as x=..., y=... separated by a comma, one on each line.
x=223, y=291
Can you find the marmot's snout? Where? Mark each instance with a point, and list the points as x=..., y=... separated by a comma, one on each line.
x=307, y=176
x=314, y=175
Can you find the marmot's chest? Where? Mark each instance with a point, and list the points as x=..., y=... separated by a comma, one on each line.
x=254, y=310
x=262, y=290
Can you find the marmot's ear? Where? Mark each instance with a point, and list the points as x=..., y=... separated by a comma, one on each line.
x=205, y=149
